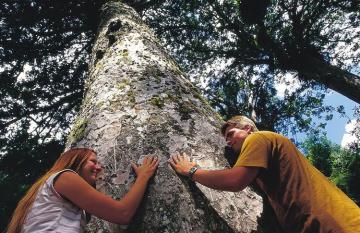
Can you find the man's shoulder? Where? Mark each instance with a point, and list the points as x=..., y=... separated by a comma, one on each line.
x=260, y=136
x=267, y=136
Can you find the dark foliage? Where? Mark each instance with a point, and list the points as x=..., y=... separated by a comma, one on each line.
x=54, y=40
x=21, y=167
x=318, y=150
x=44, y=48
x=253, y=11
x=317, y=41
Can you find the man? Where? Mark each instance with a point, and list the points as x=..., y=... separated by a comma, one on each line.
x=303, y=199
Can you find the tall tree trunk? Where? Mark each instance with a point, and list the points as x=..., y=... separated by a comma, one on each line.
x=332, y=77
x=138, y=102
x=311, y=67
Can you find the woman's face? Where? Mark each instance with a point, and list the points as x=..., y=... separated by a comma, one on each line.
x=90, y=169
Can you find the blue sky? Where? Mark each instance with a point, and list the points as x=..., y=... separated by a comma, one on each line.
x=336, y=127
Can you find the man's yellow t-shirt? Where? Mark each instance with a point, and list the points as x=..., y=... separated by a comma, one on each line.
x=303, y=199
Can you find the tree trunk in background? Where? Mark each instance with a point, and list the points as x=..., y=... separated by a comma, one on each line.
x=311, y=67
x=138, y=102
x=339, y=80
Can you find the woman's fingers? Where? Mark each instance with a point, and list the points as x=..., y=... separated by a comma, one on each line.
x=172, y=163
x=145, y=160
x=173, y=159
x=156, y=163
x=177, y=158
x=150, y=161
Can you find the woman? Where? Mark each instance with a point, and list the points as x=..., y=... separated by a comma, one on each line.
x=58, y=200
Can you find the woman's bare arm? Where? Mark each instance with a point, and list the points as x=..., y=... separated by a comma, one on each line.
x=78, y=191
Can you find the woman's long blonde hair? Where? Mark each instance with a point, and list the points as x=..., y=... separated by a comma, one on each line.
x=72, y=159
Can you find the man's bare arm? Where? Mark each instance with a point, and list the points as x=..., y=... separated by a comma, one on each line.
x=234, y=179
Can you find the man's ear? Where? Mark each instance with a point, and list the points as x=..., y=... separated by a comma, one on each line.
x=248, y=128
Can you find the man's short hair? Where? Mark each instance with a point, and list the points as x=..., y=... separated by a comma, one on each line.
x=238, y=122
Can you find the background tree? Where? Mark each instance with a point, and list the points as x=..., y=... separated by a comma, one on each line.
x=346, y=164
x=318, y=41
x=345, y=172
x=318, y=150
x=339, y=164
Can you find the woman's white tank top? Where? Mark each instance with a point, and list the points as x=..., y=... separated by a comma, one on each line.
x=52, y=213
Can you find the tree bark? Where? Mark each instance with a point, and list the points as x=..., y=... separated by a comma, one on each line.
x=332, y=77
x=311, y=67
x=138, y=102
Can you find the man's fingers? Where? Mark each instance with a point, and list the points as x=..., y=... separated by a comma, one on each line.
x=185, y=157
x=150, y=159
x=154, y=161
x=173, y=163
x=175, y=158
x=133, y=165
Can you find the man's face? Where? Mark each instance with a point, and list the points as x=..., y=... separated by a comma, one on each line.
x=235, y=137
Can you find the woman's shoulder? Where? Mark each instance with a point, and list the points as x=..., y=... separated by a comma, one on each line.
x=50, y=182
x=55, y=176
x=50, y=208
